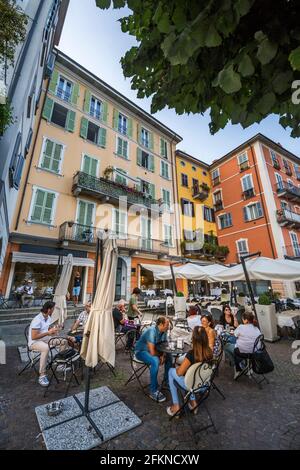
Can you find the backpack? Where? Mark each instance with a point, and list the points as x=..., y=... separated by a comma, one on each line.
x=261, y=362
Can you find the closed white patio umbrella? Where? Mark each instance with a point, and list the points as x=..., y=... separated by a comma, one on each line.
x=99, y=339
x=60, y=312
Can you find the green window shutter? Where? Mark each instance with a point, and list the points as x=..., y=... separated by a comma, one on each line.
x=163, y=148
x=89, y=215
x=84, y=128
x=53, y=82
x=125, y=149
x=151, y=141
x=75, y=94
x=151, y=165
x=120, y=146
x=139, y=185
x=139, y=134
x=101, y=137
x=70, y=123
x=47, y=213
x=86, y=164
x=56, y=157
x=48, y=108
x=139, y=156
x=115, y=119
x=104, y=111
x=81, y=213
x=129, y=127
x=152, y=190
x=87, y=101
x=94, y=165
x=46, y=162
x=38, y=206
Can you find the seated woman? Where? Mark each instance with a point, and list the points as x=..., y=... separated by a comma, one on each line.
x=193, y=318
x=208, y=324
x=201, y=352
x=227, y=318
x=246, y=335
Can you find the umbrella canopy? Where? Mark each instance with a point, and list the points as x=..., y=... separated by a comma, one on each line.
x=60, y=311
x=185, y=271
x=99, y=337
x=262, y=268
x=159, y=272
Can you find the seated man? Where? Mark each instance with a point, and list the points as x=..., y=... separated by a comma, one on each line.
x=145, y=350
x=39, y=335
x=27, y=293
x=80, y=322
x=122, y=325
x=194, y=318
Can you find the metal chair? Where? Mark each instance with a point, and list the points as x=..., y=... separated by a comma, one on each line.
x=60, y=356
x=3, y=302
x=33, y=356
x=198, y=381
x=138, y=369
x=239, y=314
x=259, y=345
x=217, y=359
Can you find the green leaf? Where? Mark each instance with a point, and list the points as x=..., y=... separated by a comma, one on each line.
x=213, y=39
x=163, y=24
x=103, y=4
x=119, y=3
x=179, y=18
x=242, y=7
x=266, y=51
x=229, y=80
x=294, y=58
x=266, y=103
x=246, y=67
x=282, y=82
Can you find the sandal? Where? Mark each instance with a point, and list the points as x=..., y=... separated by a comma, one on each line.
x=172, y=413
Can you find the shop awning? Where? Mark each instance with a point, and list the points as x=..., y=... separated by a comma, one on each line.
x=37, y=258
x=159, y=271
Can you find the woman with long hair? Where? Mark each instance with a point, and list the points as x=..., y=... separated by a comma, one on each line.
x=200, y=352
x=227, y=317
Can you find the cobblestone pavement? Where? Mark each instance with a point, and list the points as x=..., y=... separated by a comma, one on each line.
x=249, y=418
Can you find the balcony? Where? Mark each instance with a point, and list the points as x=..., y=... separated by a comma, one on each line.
x=108, y=191
x=288, y=191
x=218, y=206
x=216, y=181
x=86, y=235
x=205, y=250
x=201, y=191
x=292, y=251
x=244, y=166
x=287, y=218
x=276, y=164
x=288, y=171
x=248, y=193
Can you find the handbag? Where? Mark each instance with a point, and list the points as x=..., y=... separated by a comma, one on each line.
x=261, y=362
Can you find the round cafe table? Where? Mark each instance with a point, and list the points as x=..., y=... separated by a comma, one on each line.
x=165, y=348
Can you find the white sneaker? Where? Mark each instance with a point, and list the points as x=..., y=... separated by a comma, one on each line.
x=43, y=381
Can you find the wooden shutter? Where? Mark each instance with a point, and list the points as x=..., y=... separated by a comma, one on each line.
x=38, y=205
x=139, y=134
x=152, y=190
x=129, y=127
x=84, y=127
x=48, y=109
x=81, y=212
x=18, y=172
x=151, y=140
x=86, y=164
x=87, y=101
x=46, y=163
x=119, y=146
x=245, y=214
x=163, y=148
x=104, y=111
x=47, y=213
x=56, y=157
x=53, y=82
x=139, y=156
x=94, y=165
x=115, y=119
x=70, y=123
x=75, y=94
x=101, y=137
x=151, y=163
x=259, y=209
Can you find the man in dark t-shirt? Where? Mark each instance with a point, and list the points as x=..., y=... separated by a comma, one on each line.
x=121, y=326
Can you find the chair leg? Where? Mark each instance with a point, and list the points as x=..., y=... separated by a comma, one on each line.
x=216, y=388
x=27, y=366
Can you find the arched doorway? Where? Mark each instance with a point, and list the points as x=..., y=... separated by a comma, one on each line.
x=121, y=280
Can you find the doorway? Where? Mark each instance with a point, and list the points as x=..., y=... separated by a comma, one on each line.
x=121, y=280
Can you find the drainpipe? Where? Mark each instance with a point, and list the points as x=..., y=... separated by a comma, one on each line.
x=262, y=202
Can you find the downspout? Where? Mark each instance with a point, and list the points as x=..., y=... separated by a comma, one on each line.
x=262, y=202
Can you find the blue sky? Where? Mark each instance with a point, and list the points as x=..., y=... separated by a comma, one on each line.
x=93, y=38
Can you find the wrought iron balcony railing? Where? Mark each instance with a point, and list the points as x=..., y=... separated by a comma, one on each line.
x=216, y=180
x=218, y=206
x=107, y=190
x=248, y=193
x=289, y=191
x=244, y=166
x=200, y=192
x=285, y=217
x=83, y=234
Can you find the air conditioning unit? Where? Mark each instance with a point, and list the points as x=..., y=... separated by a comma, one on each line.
x=267, y=321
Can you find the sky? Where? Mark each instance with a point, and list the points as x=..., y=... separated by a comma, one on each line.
x=93, y=38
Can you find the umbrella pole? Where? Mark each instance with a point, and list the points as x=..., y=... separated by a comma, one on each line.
x=243, y=258
x=173, y=279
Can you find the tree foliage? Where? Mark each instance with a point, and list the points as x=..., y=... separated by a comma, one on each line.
x=236, y=58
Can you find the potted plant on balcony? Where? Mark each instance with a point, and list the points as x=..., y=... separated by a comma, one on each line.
x=205, y=187
x=266, y=315
x=222, y=251
x=107, y=173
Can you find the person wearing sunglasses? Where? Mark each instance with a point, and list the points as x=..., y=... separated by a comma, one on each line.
x=227, y=318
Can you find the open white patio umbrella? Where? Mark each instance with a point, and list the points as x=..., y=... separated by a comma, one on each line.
x=188, y=271
x=60, y=312
x=99, y=339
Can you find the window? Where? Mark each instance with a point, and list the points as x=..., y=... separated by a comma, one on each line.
x=164, y=170
x=189, y=235
x=90, y=165
x=145, y=159
x=85, y=218
x=166, y=197
x=247, y=182
x=146, y=237
x=164, y=148
x=243, y=158
x=95, y=107
x=194, y=168
x=187, y=207
x=145, y=138
x=242, y=247
x=275, y=160
x=122, y=148
x=284, y=205
x=147, y=188
x=16, y=164
x=43, y=207
x=290, y=184
x=287, y=167
x=184, y=180
x=182, y=163
x=119, y=223
x=122, y=124
x=253, y=211
x=16, y=180
x=120, y=176
x=64, y=89
x=168, y=236
x=59, y=115
x=195, y=183
x=225, y=220
x=215, y=176
x=218, y=197
x=295, y=243
x=93, y=133
x=204, y=173
x=28, y=141
x=29, y=105
x=297, y=171
x=279, y=181
x=51, y=156
x=208, y=214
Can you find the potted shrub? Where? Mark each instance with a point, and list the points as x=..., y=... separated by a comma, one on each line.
x=225, y=297
x=180, y=305
x=266, y=315
x=241, y=298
